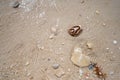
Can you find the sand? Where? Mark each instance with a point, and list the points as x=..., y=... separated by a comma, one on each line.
x=27, y=51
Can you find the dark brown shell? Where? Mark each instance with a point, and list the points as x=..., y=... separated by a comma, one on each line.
x=75, y=31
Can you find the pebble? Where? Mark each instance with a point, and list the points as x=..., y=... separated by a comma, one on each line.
x=104, y=24
x=51, y=36
x=55, y=66
x=27, y=63
x=79, y=59
x=97, y=12
x=63, y=43
x=89, y=45
x=114, y=42
x=16, y=4
x=62, y=59
x=59, y=72
x=42, y=47
x=91, y=66
x=82, y=1
x=107, y=48
x=31, y=78
x=54, y=30
x=13, y=65
x=80, y=72
x=28, y=74
x=69, y=69
x=111, y=73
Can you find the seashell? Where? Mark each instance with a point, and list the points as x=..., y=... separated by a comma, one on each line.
x=75, y=31
x=79, y=59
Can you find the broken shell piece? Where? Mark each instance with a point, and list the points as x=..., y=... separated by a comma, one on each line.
x=27, y=63
x=59, y=72
x=97, y=12
x=54, y=31
x=51, y=36
x=16, y=4
x=104, y=24
x=89, y=45
x=79, y=59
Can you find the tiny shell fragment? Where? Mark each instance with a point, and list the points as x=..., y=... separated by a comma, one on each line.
x=97, y=12
x=59, y=72
x=89, y=45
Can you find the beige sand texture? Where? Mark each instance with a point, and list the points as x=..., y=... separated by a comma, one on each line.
x=34, y=37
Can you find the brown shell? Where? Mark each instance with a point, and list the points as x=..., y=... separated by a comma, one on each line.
x=75, y=31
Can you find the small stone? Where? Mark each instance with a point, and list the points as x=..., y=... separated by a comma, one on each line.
x=111, y=73
x=63, y=43
x=79, y=59
x=91, y=66
x=107, y=48
x=54, y=31
x=82, y=1
x=28, y=74
x=114, y=42
x=61, y=58
x=55, y=66
x=13, y=65
x=59, y=72
x=80, y=72
x=16, y=4
x=51, y=36
x=104, y=24
x=48, y=59
x=69, y=69
x=42, y=47
x=31, y=78
x=27, y=63
x=97, y=12
x=89, y=45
